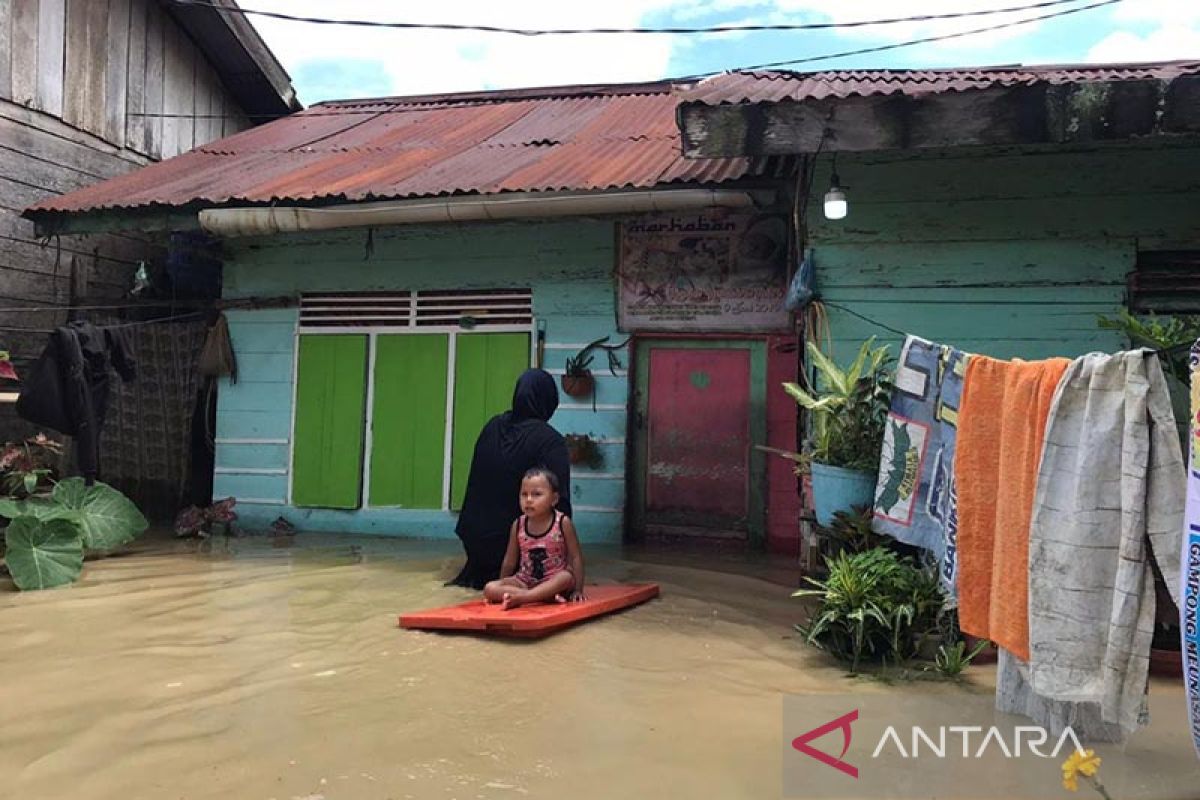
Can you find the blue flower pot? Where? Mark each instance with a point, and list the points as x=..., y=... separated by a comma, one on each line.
x=838, y=489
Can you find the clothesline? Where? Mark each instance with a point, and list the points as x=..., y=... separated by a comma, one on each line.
x=175, y=318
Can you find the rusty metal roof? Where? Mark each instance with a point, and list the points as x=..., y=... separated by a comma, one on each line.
x=571, y=138
x=774, y=86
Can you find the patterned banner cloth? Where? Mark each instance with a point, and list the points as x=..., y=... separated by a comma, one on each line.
x=1189, y=561
x=915, y=500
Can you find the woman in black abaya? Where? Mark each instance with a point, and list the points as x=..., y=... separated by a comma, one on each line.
x=509, y=444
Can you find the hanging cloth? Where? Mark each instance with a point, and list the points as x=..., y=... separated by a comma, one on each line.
x=1189, y=625
x=915, y=498
x=67, y=387
x=216, y=357
x=1110, y=494
x=1005, y=405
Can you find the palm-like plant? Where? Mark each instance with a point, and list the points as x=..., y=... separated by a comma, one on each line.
x=850, y=410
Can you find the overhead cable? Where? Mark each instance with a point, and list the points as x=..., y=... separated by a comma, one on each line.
x=748, y=28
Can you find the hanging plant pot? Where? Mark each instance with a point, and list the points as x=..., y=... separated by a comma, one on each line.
x=838, y=489
x=583, y=449
x=579, y=385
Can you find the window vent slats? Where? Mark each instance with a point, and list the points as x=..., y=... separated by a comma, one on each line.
x=472, y=308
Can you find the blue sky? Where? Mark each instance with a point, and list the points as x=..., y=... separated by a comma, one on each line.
x=339, y=62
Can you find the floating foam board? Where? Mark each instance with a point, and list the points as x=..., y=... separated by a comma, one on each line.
x=532, y=621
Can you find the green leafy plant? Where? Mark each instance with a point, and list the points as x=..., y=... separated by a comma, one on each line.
x=1169, y=333
x=873, y=605
x=851, y=532
x=47, y=536
x=953, y=658
x=850, y=410
x=580, y=363
x=28, y=465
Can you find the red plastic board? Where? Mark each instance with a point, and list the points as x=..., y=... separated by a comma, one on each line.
x=529, y=621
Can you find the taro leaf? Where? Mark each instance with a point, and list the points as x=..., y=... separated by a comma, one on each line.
x=43, y=553
x=107, y=518
x=37, y=507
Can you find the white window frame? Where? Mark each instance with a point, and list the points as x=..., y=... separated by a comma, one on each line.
x=372, y=333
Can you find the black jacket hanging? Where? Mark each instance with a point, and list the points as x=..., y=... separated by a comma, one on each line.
x=67, y=387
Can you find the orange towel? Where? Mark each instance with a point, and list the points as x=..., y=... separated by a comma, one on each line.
x=1001, y=424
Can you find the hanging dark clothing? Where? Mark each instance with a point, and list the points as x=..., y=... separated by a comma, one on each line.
x=67, y=387
x=510, y=444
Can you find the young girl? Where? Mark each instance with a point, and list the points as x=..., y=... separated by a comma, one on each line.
x=543, y=544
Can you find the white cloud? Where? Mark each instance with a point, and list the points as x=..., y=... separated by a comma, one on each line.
x=419, y=62
x=1164, y=44
x=1175, y=35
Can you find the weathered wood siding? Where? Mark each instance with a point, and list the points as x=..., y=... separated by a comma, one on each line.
x=75, y=78
x=569, y=266
x=1000, y=253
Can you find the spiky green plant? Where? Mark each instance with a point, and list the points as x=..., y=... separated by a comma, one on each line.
x=850, y=408
x=872, y=605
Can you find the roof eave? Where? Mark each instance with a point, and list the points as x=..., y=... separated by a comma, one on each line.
x=246, y=65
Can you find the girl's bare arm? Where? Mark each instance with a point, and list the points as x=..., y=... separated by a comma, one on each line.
x=509, y=565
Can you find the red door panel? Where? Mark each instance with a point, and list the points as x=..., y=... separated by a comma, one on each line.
x=698, y=437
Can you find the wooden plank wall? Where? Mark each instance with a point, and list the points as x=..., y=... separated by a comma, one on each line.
x=80, y=84
x=1003, y=253
x=569, y=266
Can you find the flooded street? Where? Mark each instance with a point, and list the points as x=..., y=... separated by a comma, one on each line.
x=258, y=671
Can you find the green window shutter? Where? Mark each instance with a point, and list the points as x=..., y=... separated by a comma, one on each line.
x=408, y=421
x=486, y=368
x=331, y=396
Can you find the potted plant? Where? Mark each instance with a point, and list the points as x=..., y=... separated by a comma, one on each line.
x=848, y=416
x=578, y=380
x=583, y=449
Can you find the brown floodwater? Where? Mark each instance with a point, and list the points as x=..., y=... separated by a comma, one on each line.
x=259, y=668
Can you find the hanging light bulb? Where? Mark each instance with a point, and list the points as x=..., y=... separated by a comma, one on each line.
x=835, y=199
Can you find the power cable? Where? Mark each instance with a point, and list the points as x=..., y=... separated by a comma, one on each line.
x=447, y=26
x=911, y=42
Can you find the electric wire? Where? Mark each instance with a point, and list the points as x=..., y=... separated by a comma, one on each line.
x=532, y=32
x=911, y=42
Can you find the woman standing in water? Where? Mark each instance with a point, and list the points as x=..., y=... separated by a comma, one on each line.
x=509, y=445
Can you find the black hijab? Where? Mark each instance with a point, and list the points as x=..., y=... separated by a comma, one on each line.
x=510, y=444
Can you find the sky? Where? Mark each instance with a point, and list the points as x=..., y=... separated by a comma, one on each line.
x=337, y=62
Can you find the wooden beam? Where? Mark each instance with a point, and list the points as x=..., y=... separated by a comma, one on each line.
x=143, y=221
x=1017, y=115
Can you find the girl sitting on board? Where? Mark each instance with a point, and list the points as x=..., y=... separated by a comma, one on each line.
x=543, y=560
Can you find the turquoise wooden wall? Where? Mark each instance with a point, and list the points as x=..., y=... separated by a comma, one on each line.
x=1000, y=253
x=569, y=266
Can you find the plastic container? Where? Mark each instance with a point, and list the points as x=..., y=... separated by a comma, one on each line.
x=838, y=489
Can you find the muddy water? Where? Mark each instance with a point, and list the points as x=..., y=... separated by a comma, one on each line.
x=256, y=671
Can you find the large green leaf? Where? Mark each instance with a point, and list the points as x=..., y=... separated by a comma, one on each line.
x=43, y=553
x=39, y=507
x=106, y=517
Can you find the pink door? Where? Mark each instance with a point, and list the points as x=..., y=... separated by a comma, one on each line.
x=695, y=439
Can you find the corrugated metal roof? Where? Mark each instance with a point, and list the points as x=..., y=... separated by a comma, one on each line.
x=572, y=138
x=774, y=86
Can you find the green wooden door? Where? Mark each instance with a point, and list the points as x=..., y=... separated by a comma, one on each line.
x=331, y=396
x=408, y=421
x=486, y=368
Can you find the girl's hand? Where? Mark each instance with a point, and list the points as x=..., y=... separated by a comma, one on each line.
x=577, y=595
